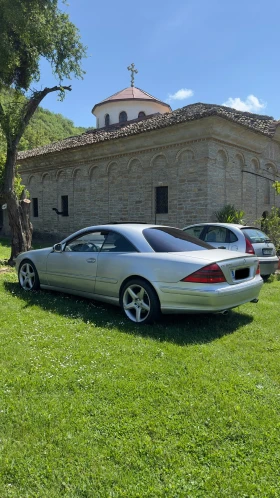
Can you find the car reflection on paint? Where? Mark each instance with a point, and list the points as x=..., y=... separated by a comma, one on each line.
x=145, y=269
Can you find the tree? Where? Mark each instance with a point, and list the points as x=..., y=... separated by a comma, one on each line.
x=30, y=30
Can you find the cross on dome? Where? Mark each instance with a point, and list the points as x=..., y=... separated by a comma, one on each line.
x=131, y=68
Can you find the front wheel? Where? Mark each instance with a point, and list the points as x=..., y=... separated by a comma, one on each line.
x=28, y=276
x=140, y=302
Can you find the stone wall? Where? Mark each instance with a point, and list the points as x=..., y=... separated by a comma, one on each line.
x=205, y=165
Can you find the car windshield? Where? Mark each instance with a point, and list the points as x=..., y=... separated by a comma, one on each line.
x=167, y=239
x=255, y=235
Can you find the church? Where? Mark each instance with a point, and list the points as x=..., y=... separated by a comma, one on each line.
x=146, y=163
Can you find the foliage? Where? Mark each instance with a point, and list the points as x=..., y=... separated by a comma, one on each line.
x=271, y=226
x=228, y=214
x=45, y=127
x=276, y=185
x=31, y=30
x=93, y=406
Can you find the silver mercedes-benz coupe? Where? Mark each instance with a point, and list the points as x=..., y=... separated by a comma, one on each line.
x=145, y=269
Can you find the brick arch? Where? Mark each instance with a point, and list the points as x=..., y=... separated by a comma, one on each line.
x=239, y=158
x=132, y=162
x=92, y=172
x=188, y=152
x=76, y=172
x=157, y=158
x=46, y=177
x=60, y=175
x=222, y=157
x=110, y=165
x=271, y=168
x=31, y=179
x=255, y=163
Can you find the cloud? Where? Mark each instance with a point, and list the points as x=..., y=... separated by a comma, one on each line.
x=251, y=104
x=182, y=94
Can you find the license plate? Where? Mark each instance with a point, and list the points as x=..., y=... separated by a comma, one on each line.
x=267, y=252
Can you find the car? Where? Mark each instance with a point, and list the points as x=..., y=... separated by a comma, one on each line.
x=234, y=237
x=146, y=269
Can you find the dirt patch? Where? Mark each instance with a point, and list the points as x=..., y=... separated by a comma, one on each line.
x=5, y=269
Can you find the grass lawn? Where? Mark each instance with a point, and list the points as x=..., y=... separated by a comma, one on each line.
x=94, y=407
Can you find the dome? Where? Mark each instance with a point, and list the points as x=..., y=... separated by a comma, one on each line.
x=127, y=105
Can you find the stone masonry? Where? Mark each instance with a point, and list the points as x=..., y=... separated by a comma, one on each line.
x=206, y=162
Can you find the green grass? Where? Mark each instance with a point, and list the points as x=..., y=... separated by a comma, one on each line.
x=93, y=406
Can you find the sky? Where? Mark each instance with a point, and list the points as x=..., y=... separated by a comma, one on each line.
x=212, y=51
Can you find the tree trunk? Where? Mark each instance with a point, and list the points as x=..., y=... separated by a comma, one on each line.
x=18, y=210
x=21, y=228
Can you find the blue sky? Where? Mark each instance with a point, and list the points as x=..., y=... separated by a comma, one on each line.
x=186, y=51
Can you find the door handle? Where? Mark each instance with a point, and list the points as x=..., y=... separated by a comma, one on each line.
x=91, y=260
x=221, y=247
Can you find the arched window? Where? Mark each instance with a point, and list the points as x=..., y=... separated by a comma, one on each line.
x=141, y=114
x=123, y=117
x=107, y=119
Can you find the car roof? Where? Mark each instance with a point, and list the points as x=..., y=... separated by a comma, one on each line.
x=235, y=225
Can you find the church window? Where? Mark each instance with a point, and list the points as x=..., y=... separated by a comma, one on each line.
x=123, y=117
x=161, y=200
x=141, y=115
x=35, y=207
x=64, y=205
x=107, y=119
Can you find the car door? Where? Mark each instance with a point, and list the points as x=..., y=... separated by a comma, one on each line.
x=74, y=268
x=112, y=263
x=216, y=236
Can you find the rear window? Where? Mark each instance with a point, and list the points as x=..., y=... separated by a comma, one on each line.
x=255, y=235
x=167, y=239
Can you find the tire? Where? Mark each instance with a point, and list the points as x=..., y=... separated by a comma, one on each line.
x=139, y=302
x=28, y=276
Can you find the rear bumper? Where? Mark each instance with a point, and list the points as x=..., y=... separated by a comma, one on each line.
x=268, y=265
x=209, y=299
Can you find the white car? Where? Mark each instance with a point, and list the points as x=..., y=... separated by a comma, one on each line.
x=145, y=269
x=239, y=238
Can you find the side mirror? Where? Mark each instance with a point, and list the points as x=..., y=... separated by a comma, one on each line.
x=57, y=248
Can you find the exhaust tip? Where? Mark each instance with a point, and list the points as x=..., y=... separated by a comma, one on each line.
x=224, y=312
x=254, y=300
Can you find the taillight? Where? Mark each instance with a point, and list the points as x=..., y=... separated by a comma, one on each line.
x=258, y=269
x=249, y=247
x=211, y=274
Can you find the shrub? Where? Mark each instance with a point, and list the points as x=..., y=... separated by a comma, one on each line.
x=271, y=226
x=228, y=214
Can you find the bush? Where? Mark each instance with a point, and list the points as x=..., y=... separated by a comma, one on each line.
x=271, y=226
x=228, y=214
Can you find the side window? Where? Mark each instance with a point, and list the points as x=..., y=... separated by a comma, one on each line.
x=195, y=231
x=232, y=237
x=117, y=243
x=216, y=234
x=141, y=115
x=86, y=242
x=107, y=119
x=122, y=117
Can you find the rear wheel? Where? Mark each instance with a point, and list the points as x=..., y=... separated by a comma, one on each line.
x=28, y=276
x=140, y=302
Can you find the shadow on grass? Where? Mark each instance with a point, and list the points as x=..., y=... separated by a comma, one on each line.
x=178, y=329
x=5, y=242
